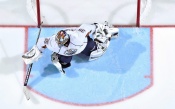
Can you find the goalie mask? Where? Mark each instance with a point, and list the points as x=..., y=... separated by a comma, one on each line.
x=61, y=38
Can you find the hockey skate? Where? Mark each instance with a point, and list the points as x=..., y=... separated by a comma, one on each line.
x=58, y=64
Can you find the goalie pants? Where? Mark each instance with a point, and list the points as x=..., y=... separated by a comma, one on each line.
x=91, y=46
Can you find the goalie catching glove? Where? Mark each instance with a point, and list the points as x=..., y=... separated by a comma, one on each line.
x=31, y=56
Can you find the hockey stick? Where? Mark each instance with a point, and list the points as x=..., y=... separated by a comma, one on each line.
x=29, y=70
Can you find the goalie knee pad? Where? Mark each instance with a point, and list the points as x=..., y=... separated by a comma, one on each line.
x=55, y=57
x=31, y=56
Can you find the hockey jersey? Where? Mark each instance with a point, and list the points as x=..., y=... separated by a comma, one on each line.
x=77, y=42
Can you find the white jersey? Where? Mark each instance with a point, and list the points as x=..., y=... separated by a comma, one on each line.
x=78, y=41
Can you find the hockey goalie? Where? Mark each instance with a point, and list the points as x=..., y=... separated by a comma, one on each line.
x=73, y=41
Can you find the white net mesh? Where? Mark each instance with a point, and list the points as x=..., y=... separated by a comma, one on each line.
x=32, y=9
x=85, y=11
x=145, y=10
x=67, y=12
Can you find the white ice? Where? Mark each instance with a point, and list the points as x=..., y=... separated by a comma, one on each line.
x=160, y=96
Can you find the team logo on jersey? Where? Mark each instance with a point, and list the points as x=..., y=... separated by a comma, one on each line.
x=70, y=51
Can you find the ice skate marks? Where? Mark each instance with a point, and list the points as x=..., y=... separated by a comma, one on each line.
x=121, y=73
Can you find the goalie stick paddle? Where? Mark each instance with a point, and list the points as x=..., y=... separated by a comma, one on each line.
x=29, y=70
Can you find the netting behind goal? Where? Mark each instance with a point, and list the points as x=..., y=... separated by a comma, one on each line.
x=66, y=12
x=76, y=12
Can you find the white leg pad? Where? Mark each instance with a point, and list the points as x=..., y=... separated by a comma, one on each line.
x=101, y=49
x=96, y=54
x=107, y=31
x=114, y=32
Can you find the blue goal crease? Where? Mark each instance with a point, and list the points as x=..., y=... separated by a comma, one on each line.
x=118, y=74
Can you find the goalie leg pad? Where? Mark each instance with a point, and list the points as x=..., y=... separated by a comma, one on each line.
x=105, y=30
x=101, y=49
x=31, y=56
x=113, y=32
x=96, y=54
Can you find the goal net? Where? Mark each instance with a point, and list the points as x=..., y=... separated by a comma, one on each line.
x=66, y=12
x=76, y=12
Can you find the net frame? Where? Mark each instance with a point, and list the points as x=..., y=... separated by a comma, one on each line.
x=33, y=8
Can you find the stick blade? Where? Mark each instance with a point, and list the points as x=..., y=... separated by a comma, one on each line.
x=26, y=92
